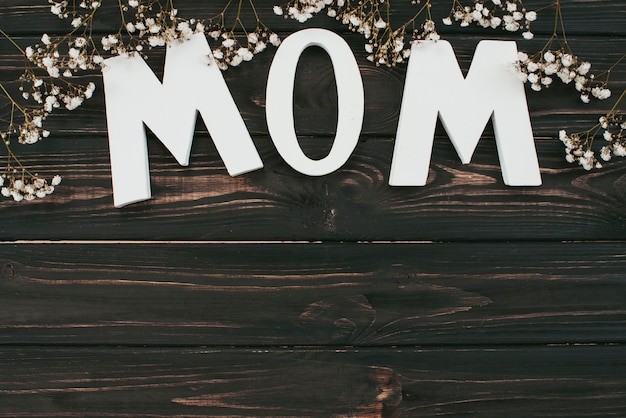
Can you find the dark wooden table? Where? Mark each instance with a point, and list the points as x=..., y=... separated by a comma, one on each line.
x=277, y=294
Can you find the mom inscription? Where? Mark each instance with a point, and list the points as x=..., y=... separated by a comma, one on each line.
x=434, y=88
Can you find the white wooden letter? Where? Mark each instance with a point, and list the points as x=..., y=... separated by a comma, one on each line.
x=435, y=86
x=279, y=101
x=134, y=95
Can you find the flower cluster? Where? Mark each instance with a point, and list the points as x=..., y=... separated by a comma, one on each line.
x=303, y=10
x=29, y=131
x=53, y=88
x=60, y=58
x=51, y=95
x=23, y=188
x=73, y=52
x=578, y=146
x=47, y=81
x=578, y=149
x=77, y=55
x=147, y=24
x=60, y=9
x=390, y=48
x=614, y=126
x=509, y=15
x=234, y=49
x=143, y=28
x=50, y=91
x=540, y=69
x=385, y=44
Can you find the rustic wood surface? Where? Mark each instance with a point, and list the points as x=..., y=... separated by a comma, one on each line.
x=556, y=381
x=460, y=202
x=275, y=294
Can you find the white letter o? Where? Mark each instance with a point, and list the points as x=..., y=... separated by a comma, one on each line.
x=279, y=101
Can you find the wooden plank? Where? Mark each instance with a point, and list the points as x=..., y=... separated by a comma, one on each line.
x=315, y=92
x=202, y=202
x=486, y=382
x=276, y=294
x=584, y=17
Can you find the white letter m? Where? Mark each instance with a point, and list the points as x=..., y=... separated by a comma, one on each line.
x=134, y=95
x=435, y=87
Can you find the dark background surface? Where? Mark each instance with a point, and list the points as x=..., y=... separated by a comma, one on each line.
x=277, y=294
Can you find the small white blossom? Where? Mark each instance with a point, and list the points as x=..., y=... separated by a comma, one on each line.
x=274, y=39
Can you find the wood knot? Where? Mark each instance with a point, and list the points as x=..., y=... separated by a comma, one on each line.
x=389, y=392
x=8, y=271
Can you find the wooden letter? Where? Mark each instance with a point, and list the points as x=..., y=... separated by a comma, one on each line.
x=135, y=96
x=435, y=86
x=279, y=101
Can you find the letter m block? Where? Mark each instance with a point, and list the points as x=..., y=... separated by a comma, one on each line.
x=134, y=96
x=435, y=87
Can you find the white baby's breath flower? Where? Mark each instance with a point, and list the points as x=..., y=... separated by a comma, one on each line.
x=274, y=39
x=532, y=66
x=567, y=60
x=253, y=37
x=584, y=68
x=619, y=150
x=236, y=60
x=380, y=24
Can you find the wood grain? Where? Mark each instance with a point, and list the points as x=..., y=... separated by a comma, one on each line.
x=276, y=294
x=202, y=202
x=573, y=381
